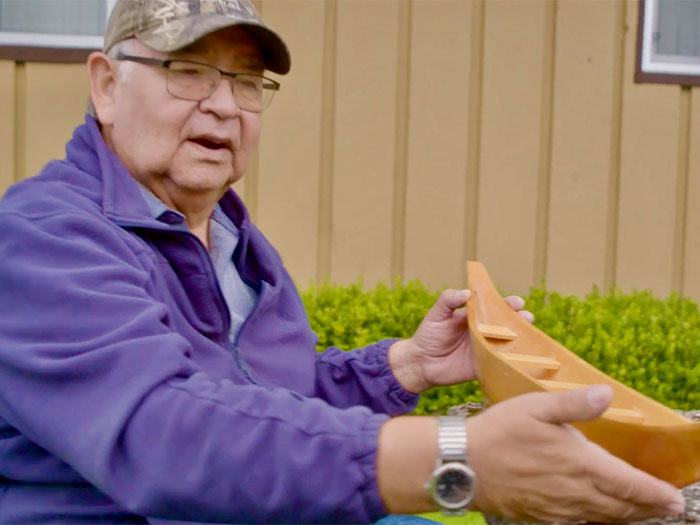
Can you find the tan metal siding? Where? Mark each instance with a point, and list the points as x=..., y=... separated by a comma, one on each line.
x=7, y=124
x=290, y=147
x=436, y=192
x=691, y=262
x=55, y=98
x=414, y=134
x=363, y=167
x=511, y=135
x=582, y=137
x=648, y=172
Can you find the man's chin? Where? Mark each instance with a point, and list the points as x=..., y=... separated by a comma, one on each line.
x=196, y=181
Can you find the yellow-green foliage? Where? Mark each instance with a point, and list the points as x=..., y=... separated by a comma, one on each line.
x=470, y=518
x=351, y=317
x=650, y=344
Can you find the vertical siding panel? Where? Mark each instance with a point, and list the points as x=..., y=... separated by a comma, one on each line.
x=327, y=153
x=437, y=161
x=612, y=230
x=290, y=147
x=545, y=151
x=648, y=173
x=679, y=229
x=510, y=142
x=56, y=102
x=403, y=81
x=583, y=114
x=473, y=146
x=364, y=148
x=7, y=124
x=692, y=239
x=20, y=120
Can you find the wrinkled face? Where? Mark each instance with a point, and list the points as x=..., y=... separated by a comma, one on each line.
x=184, y=146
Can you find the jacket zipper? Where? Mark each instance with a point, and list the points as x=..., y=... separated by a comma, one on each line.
x=240, y=362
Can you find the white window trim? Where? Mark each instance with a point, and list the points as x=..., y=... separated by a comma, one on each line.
x=13, y=38
x=665, y=64
x=10, y=38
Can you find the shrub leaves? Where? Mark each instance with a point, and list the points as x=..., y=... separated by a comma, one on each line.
x=650, y=344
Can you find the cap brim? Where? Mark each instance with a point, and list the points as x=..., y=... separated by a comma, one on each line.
x=275, y=52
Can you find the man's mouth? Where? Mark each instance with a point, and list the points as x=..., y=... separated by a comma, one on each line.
x=212, y=143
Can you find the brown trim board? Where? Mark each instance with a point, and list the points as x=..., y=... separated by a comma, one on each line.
x=44, y=54
x=640, y=77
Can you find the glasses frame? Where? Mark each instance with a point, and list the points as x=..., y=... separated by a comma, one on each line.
x=268, y=83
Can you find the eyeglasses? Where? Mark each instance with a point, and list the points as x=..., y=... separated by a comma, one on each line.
x=195, y=81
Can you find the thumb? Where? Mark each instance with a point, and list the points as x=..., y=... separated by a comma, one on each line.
x=576, y=405
x=448, y=301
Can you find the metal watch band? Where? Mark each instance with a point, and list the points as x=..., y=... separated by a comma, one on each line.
x=452, y=483
x=452, y=439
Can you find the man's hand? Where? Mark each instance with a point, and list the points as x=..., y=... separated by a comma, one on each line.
x=531, y=464
x=439, y=353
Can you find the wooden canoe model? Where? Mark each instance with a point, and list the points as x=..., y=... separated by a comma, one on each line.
x=512, y=357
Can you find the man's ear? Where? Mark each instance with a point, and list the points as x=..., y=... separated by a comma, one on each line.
x=103, y=82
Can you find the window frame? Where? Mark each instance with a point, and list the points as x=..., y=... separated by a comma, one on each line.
x=42, y=47
x=642, y=74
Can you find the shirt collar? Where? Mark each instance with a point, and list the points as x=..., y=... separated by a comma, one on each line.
x=158, y=209
x=161, y=212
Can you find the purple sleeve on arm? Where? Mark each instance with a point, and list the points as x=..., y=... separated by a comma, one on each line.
x=362, y=377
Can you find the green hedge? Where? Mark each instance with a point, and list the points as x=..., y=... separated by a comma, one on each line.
x=650, y=344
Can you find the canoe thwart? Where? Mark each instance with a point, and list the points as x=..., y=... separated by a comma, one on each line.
x=493, y=331
x=560, y=385
x=625, y=415
x=547, y=363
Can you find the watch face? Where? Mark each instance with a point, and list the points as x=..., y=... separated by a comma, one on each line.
x=454, y=485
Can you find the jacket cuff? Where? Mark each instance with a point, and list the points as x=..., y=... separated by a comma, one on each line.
x=395, y=392
x=368, y=462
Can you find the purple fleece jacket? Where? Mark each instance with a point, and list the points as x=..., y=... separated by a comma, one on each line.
x=120, y=394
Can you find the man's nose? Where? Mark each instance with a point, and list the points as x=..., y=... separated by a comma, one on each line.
x=222, y=100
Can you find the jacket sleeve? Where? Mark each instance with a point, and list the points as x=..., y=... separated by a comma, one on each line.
x=362, y=377
x=91, y=373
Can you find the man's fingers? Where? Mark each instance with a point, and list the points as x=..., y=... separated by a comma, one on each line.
x=568, y=407
x=621, y=481
x=451, y=299
x=607, y=509
x=516, y=302
x=448, y=301
x=527, y=315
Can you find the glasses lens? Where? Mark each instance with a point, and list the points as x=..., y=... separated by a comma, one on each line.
x=251, y=92
x=191, y=81
x=269, y=90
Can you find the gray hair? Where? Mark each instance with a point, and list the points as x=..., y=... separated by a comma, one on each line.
x=128, y=46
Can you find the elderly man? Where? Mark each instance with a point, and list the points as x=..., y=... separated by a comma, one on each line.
x=156, y=360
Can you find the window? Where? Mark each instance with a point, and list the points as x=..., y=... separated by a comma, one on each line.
x=668, y=44
x=52, y=30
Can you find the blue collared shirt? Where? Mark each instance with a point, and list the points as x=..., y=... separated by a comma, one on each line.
x=223, y=239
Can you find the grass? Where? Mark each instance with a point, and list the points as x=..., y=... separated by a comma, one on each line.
x=471, y=518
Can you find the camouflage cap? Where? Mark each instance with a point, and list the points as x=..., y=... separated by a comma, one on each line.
x=169, y=25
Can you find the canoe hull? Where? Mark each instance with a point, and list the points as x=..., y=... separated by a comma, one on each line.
x=659, y=441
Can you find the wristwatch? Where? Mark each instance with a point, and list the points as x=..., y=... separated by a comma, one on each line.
x=453, y=483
